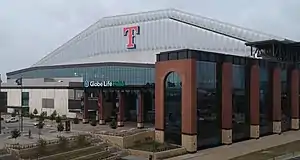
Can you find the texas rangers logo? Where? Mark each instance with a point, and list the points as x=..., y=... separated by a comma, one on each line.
x=131, y=33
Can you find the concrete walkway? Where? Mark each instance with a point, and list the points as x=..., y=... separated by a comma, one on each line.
x=242, y=148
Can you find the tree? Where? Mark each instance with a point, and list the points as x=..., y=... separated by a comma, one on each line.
x=41, y=124
x=15, y=134
x=58, y=119
x=41, y=146
x=14, y=113
x=35, y=112
x=60, y=127
x=42, y=117
x=53, y=115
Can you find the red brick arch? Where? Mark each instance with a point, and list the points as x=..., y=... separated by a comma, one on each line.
x=186, y=69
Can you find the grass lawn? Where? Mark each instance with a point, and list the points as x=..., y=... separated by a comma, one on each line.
x=271, y=152
x=154, y=147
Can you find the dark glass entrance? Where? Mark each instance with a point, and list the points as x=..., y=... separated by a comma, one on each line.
x=265, y=109
x=172, y=106
x=285, y=105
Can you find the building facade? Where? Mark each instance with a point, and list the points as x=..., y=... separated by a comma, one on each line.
x=194, y=76
x=221, y=99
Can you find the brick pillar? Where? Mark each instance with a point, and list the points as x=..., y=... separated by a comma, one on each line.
x=189, y=110
x=85, y=108
x=254, y=98
x=101, y=108
x=275, y=81
x=140, y=116
x=121, y=97
x=293, y=92
x=226, y=101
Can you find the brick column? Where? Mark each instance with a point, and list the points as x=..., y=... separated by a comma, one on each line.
x=293, y=92
x=101, y=108
x=85, y=108
x=140, y=116
x=275, y=81
x=226, y=101
x=121, y=97
x=254, y=98
x=189, y=109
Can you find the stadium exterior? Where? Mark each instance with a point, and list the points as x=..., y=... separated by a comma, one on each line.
x=207, y=82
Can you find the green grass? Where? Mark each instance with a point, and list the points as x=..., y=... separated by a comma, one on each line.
x=271, y=152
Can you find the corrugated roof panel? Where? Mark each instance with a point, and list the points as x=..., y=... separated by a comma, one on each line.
x=229, y=30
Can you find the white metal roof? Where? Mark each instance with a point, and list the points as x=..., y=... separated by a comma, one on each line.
x=225, y=29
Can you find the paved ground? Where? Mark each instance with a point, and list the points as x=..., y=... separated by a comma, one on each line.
x=242, y=148
x=48, y=132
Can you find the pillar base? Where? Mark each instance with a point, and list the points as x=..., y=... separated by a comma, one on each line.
x=254, y=131
x=189, y=142
x=140, y=125
x=227, y=136
x=120, y=124
x=159, y=136
x=295, y=123
x=85, y=121
x=102, y=122
x=277, y=127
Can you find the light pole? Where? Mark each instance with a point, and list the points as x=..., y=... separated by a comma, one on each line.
x=1, y=107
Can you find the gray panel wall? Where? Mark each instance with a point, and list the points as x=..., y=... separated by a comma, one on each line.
x=158, y=35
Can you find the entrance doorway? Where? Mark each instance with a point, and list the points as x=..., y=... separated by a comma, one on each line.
x=172, y=107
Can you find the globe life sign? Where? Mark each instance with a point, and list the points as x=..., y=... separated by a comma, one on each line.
x=104, y=84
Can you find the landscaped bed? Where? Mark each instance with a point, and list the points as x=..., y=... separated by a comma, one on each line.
x=154, y=147
x=43, y=149
x=271, y=152
x=49, y=150
x=156, y=150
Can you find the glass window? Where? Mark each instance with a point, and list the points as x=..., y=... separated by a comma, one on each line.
x=25, y=98
x=208, y=110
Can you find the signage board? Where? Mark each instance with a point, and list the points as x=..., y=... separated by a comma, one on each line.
x=104, y=84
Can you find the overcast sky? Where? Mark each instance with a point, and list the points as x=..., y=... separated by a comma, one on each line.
x=30, y=29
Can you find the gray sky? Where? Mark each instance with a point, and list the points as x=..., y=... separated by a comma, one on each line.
x=30, y=29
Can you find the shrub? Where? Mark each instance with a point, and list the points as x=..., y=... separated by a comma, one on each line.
x=81, y=140
x=15, y=134
x=94, y=122
x=40, y=125
x=31, y=116
x=58, y=119
x=35, y=112
x=76, y=120
x=53, y=115
x=113, y=124
x=60, y=127
x=41, y=146
x=63, y=142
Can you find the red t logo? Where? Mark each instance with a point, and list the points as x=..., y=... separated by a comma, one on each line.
x=131, y=32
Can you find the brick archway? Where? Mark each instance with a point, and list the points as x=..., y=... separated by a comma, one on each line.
x=186, y=69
